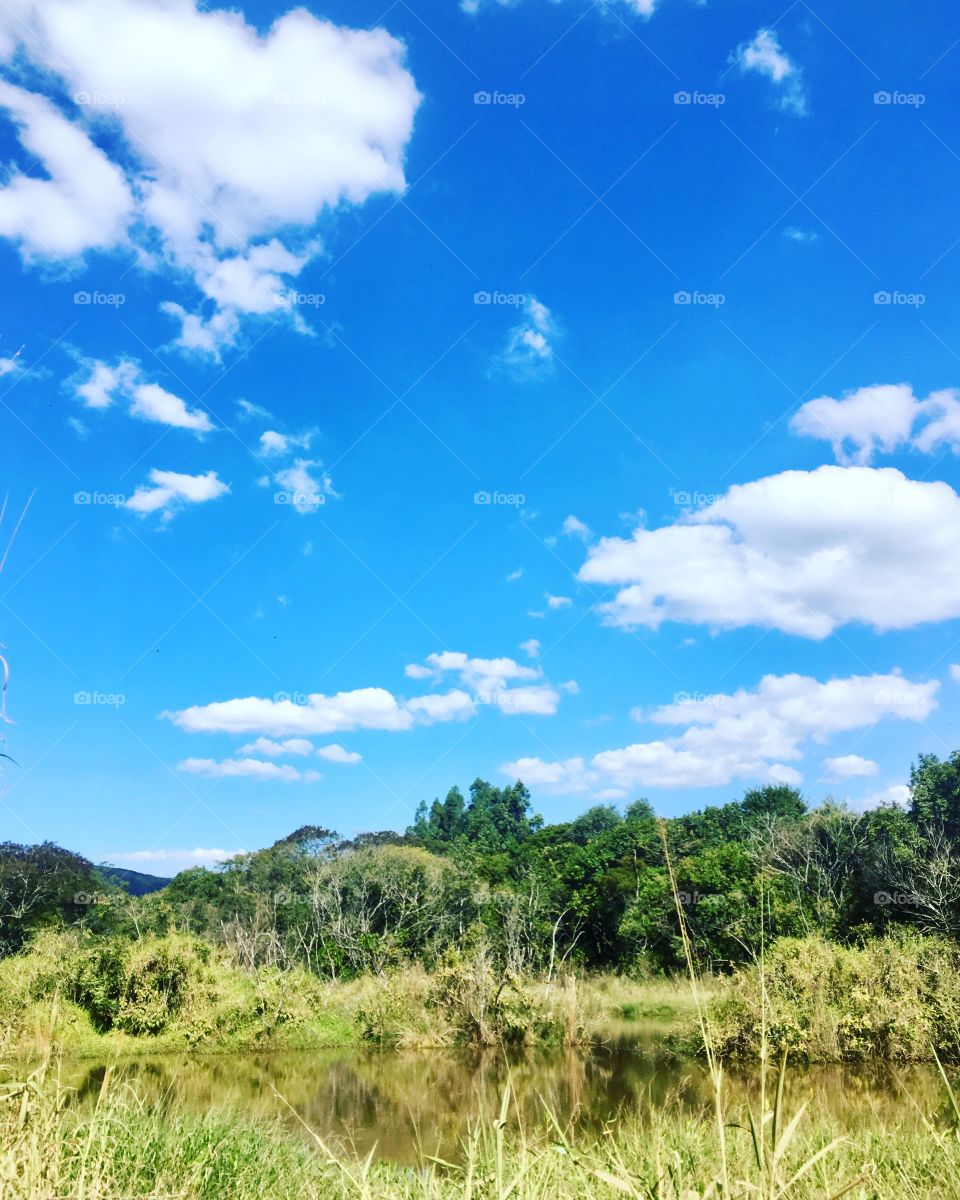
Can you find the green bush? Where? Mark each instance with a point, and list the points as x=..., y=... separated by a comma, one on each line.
x=895, y=998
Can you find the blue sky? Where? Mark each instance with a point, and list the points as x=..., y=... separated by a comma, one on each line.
x=541, y=389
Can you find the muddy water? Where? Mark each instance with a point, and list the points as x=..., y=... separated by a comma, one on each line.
x=408, y=1103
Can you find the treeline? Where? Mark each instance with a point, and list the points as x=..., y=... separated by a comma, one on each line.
x=484, y=873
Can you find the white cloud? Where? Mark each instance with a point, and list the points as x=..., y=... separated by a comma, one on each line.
x=803, y=552
x=803, y=236
x=196, y=857
x=249, y=411
x=943, y=427
x=363, y=708
x=272, y=442
x=148, y=401
x=955, y=672
x=765, y=56
x=515, y=575
x=454, y=705
x=83, y=204
x=897, y=793
x=248, y=768
x=557, y=601
x=154, y=403
x=574, y=527
x=222, y=140
x=337, y=754
x=559, y=778
x=531, y=647
x=882, y=418
x=750, y=735
x=848, y=766
x=274, y=749
x=529, y=351
x=305, y=491
x=169, y=491
x=502, y=682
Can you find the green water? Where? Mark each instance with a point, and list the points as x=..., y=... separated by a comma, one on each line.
x=404, y=1103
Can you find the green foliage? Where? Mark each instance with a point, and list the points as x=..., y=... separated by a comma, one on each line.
x=893, y=999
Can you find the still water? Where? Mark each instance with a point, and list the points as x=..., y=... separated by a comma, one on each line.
x=405, y=1104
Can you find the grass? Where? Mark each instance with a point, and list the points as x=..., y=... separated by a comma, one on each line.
x=177, y=993
x=119, y=1147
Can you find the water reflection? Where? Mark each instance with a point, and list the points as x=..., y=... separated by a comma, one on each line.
x=411, y=1103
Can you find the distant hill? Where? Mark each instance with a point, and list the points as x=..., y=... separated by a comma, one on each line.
x=136, y=882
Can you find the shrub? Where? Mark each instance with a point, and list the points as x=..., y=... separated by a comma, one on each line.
x=895, y=998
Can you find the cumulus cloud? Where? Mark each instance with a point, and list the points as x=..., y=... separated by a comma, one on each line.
x=503, y=682
x=803, y=552
x=531, y=647
x=248, y=768
x=196, y=857
x=557, y=601
x=764, y=56
x=148, y=401
x=897, y=794
x=848, y=766
x=529, y=349
x=303, y=489
x=84, y=203
x=223, y=144
x=748, y=734
x=338, y=754
x=574, y=527
x=882, y=418
x=169, y=491
x=274, y=749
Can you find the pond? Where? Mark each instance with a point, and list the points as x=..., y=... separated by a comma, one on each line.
x=408, y=1103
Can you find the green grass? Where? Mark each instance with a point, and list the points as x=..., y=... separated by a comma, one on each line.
x=118, y=1147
